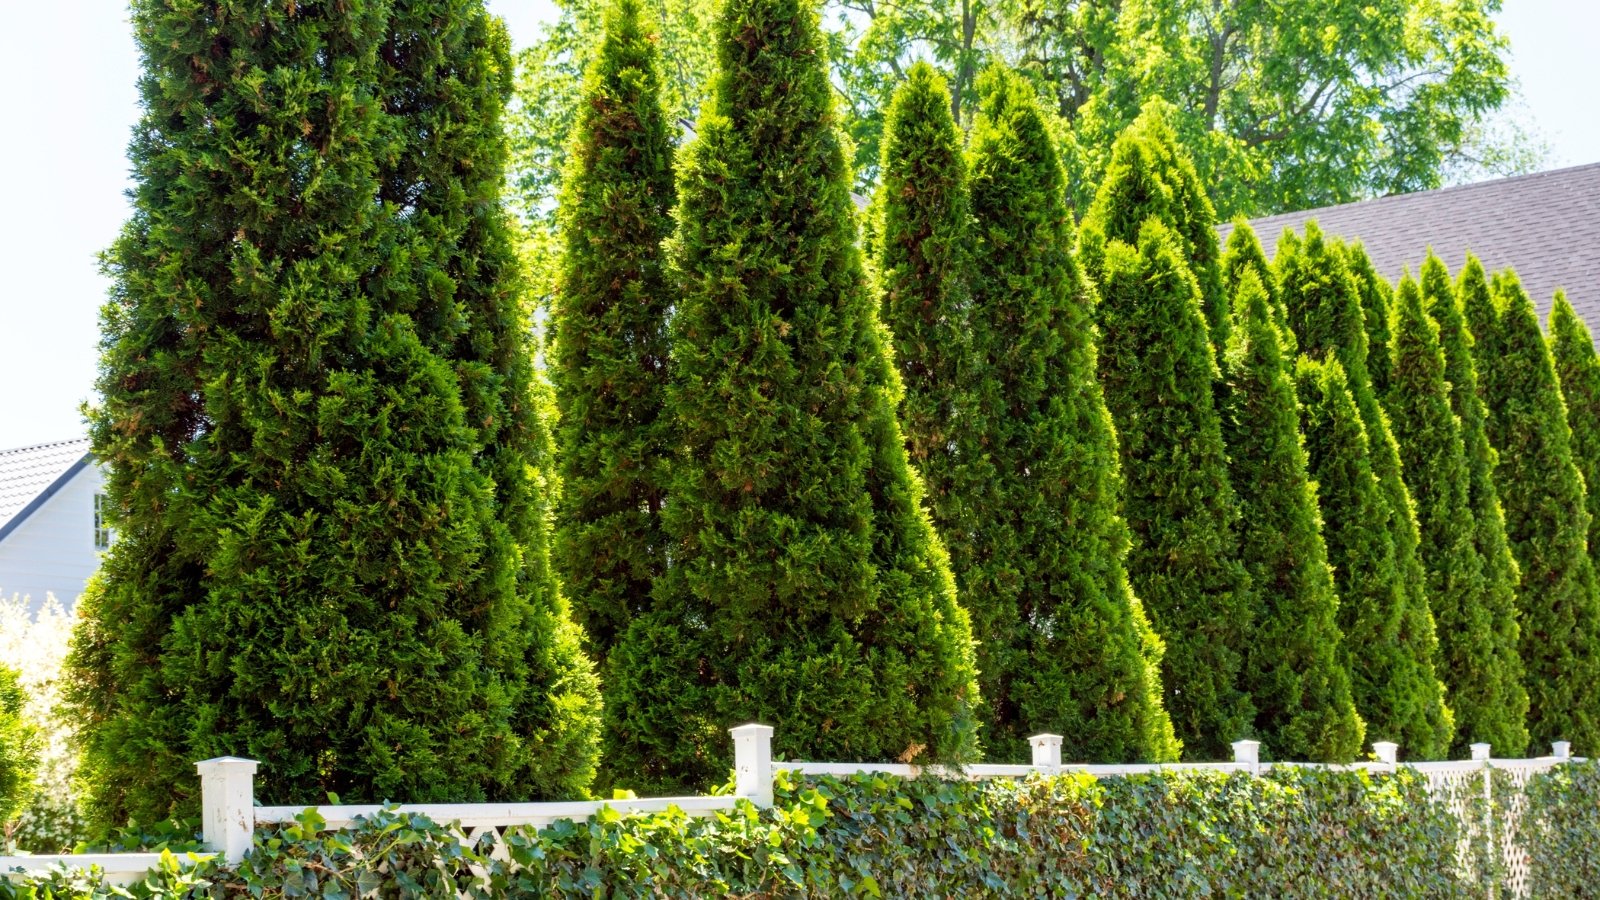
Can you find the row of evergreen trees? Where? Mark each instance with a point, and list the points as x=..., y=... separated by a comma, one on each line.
x=910, y=497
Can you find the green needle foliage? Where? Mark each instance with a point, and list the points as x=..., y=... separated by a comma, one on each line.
x=1323, y=304
x=1377, y=309
x=1389, y=684
x=609, y=357
x=1151, y=176
x=1243, y=254
x=807, y=587
x=1159, y=376
x=1578, y=371
x=19, y=750
x=921, y=218
x=1063, y=645
x=326, y=443
x=1481, y=679
x=1295, y=661
x=1547, y=518
x=1500, y=572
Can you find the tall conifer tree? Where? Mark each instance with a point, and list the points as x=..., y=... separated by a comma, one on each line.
x=1159, y=376
x=1578, y=370
x=1323, y=304
x=1547, y=518
x=807, y=586
x=1500, y=572
x=1295, y=660
x=326, y=442
x=1391, y=685
x=1377, y=309
x=1151, y=176
x=1482, y=675
x=1243, y=254
x=1063, y=644
x=610, y=353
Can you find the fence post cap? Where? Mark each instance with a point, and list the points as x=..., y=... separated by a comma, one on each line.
x=1561, y=749
x=1042, y=740
x=753, y=729
x=1480, y=751
x=1386, y=751
x=222, y=765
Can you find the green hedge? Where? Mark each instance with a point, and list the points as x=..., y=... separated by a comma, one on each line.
x=1289, y=833
x=1561, y=831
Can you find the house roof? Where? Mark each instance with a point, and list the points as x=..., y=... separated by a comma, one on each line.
x=1546, y=226
x=31, y=475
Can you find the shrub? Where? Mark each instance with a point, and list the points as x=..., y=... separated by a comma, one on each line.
x=609, y=355
x=1547, y=519
x=329, y=462
x=19, y=749
x=1292, y=833
x=1295, y=661
x=36, y=644
x=1560, y=827
x=807, y=586
x=1159, y=376
x=1482, y=674
x=1323, y=305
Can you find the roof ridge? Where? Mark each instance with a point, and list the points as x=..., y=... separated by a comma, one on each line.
x=1310, y=214
x=46, y=445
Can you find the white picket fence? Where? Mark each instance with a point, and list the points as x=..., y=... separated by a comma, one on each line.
x=230, y=817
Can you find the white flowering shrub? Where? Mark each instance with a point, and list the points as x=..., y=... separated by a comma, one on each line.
x=35, y=645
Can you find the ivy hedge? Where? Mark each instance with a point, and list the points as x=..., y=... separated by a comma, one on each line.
x=1290, y=833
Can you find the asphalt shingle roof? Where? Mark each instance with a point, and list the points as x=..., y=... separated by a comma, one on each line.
x=1546, y=226
x=27, y=472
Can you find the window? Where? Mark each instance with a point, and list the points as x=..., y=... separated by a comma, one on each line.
x=102, y=530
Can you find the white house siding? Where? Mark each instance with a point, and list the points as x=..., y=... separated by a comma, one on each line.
x=52, y=550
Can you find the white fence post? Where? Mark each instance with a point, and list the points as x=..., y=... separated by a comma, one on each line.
x=1561, y=749
x=752, y=762
x=227, y=804
x=1046, y=753
x=1480, y=752
x=1388, y=752
x=1249, y=753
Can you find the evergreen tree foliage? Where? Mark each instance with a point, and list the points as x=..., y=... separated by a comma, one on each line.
x=1295, y=660
x=1151, y=176
x=1481, y=678
x=1242, y=254
x=1391, y=686
x=1159, y=377
x=807, y=587
x=1547, y=519
x=1500, y=572
x=1063, y=645
x=921, y=218
x=19, y=749
x=610, y=351
x=1578, y=371
x=327, y=449
x=1323, y=304
x=1377, y=309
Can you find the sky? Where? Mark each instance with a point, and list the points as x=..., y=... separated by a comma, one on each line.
x=68, y=108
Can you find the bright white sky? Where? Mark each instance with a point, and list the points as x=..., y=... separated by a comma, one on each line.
x=68, y=106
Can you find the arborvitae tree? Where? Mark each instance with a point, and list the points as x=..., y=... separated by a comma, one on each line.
x=1389, y=683
x=19, y=748
x=1244, y=253
x=1482, y=680
x=1159, y=376
x=1578, y=370
x=1500, y=573
x=807, y=588
x=1151, y=176
x=1547, y=518
x=920, y=218
x=1377, y=308
x=610, y=320
x=1295, y=659
x=323, y=432
x=1063, y=645
x=1323, y=304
